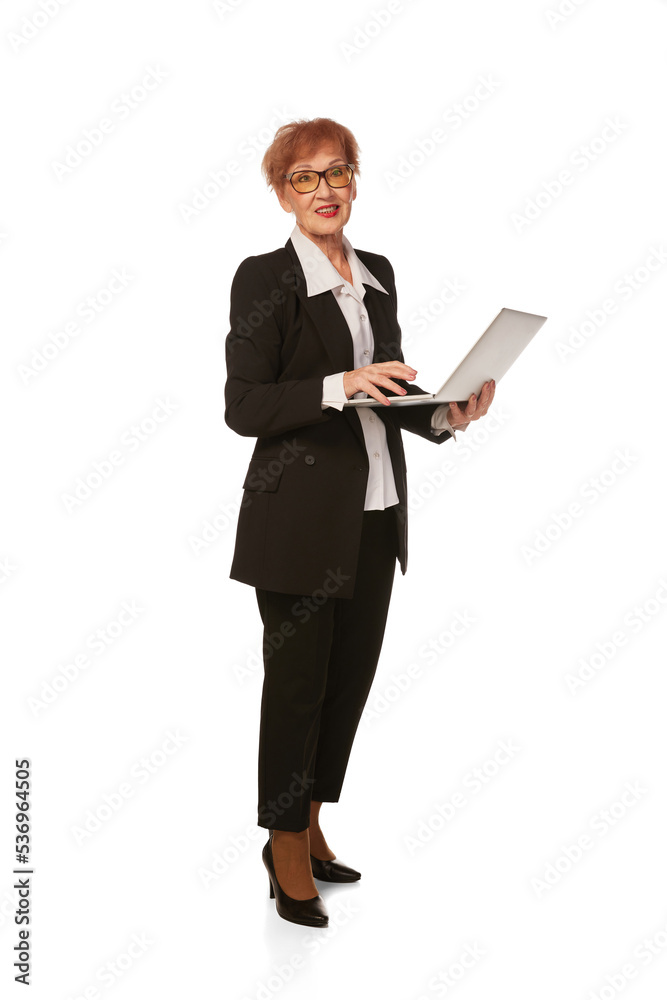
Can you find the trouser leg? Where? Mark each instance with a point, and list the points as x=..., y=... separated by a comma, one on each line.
x=358, y=632
x=316, y=681
x=294, y=685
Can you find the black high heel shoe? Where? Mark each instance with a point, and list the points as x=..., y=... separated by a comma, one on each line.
x=333, y=871
x=311, y=912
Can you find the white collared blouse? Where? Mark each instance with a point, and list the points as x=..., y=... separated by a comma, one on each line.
x=322, y=276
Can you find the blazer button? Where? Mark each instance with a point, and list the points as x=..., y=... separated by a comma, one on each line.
x=309, y=460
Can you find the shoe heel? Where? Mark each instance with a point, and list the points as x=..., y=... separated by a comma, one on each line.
x=272, y=894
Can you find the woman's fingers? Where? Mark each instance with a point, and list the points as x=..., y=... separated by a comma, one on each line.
x=486, y=396
x=383, y=380
x=455, y=413
x=481, y=402
x=395, y=368
x=373, y=388
x=370, y=378
x=476, y=406
x=379, y=374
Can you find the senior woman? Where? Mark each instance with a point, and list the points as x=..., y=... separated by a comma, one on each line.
x=323, y=517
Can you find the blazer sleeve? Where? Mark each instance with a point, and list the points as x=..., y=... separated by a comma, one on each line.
x=416, y=419
x=257, y=403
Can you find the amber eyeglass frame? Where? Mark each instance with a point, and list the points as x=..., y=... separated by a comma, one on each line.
x=320, y=174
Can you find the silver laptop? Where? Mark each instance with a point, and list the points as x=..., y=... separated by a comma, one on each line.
x=490, y=357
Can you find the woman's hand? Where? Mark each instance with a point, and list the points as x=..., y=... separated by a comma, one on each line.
x=368, y=378
x=475, y=407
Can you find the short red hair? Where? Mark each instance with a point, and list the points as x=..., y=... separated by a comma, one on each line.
x=296, y=139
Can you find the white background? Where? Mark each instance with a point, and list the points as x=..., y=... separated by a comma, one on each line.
x=489, y=532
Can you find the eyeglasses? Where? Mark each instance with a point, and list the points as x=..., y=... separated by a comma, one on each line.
x=305, y=181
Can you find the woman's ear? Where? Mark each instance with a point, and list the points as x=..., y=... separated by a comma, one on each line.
x=284, y=202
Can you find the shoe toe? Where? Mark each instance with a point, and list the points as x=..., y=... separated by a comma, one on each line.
x=333, y=871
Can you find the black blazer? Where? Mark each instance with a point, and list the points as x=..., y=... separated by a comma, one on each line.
x=300, y=519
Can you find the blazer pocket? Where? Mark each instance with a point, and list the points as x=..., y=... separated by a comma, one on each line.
x=263, y=475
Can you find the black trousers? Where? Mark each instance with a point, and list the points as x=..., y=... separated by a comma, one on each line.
x=320, y=657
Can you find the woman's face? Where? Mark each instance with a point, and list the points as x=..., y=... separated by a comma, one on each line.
x=305, y=206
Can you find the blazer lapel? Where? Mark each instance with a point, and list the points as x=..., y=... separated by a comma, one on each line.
x=333, y=330
x=327, y=318
x=332, y=327
x=386, y=332
x=387, y=347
